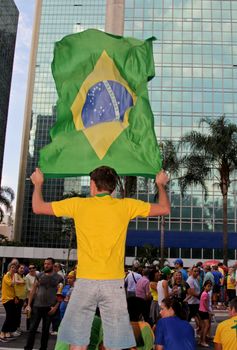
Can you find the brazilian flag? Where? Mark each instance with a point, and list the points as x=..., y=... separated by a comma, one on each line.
x=103, y=111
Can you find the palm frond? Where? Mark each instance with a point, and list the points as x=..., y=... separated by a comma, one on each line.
x=7, y=192
x=195, y=141
x=6, y=198
x=169, y=152
x=197, y=169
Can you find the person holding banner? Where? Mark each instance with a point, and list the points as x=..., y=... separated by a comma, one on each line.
x=101, y=223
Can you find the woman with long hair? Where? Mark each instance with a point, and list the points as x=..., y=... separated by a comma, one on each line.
x=173, y=332
x=178, y=289
x=8, y=300
x=204, y=313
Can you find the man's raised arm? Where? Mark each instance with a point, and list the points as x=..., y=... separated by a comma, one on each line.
x=163, y=206
x=39, y=206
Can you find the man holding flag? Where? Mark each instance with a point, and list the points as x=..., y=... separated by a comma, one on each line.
x=101, y=223
x=104, y=121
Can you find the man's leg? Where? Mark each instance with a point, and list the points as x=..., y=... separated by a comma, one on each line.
x=45, y=327
x=117, y=329
x=19, y=306
x=34, y=324
x=75, y=327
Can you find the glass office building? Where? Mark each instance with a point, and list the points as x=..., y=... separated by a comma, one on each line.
x=8, y=28
x=196, y=76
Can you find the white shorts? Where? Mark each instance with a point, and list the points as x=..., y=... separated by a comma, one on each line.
x=110, y=297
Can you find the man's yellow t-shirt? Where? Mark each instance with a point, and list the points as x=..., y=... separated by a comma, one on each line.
x=226, y=334
x=101, y=226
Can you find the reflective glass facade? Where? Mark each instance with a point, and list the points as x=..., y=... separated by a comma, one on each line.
x=8, y=28
x=195, y=56
x=58, y=18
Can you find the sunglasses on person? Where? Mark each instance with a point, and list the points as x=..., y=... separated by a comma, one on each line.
x=32, y=268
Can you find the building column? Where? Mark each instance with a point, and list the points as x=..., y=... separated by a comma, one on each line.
x=27, y=124
x=114, y=23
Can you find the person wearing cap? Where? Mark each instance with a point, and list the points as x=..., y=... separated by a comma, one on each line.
x=162, y=285
x=178, y=265
x=101, y=223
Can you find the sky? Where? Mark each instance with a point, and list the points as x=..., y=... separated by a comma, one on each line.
x=18, y=94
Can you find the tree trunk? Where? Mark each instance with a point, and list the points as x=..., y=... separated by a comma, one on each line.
x=225, y=230
x=162, y=241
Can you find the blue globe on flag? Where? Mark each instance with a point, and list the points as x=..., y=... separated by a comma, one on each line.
x=106, y=101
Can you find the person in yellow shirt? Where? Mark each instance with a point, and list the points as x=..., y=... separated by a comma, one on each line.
x=231, y=284
x=226, y=332
x=20, y=293
x=8, y=300
x=101, y=226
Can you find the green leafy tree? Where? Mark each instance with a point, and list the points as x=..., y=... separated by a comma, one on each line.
x=127, y=186
x=149, y=255
x=212, y=153
x=6, y=198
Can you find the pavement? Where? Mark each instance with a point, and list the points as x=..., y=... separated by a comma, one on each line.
x=19, y=342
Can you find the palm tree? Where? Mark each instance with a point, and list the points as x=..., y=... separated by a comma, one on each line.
x=148, y=256
x=171, y=164
x=69, y=231
x=6, y=198
x=127, y=185
x=212, y=153
x=68, y=227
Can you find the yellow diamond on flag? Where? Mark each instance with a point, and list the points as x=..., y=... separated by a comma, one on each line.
x=102, y=105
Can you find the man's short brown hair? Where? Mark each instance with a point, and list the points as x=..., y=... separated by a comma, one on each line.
x=233, y=304
x=105, y=178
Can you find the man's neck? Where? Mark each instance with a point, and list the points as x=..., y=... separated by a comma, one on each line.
x=101, y=193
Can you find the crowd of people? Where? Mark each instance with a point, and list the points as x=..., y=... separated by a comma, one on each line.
x=200, y=291
x=161, y=304
x=41, y=295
